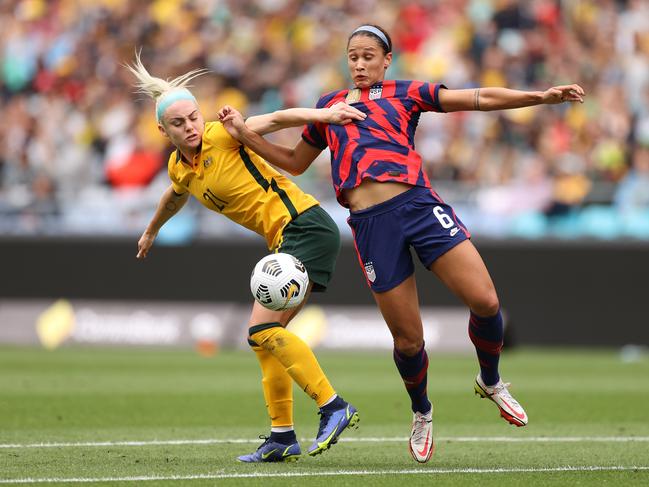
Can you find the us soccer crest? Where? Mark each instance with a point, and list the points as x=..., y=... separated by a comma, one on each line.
x=375, y=92
x=353, y=96
x=369, y=271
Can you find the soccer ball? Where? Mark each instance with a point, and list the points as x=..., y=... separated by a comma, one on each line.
x=279, y=281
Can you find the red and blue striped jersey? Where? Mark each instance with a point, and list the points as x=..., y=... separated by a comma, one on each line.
x=382, y=146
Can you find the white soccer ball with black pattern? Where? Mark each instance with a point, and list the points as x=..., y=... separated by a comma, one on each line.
x=279, y=281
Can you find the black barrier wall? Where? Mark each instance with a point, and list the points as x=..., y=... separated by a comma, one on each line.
x=554, y=293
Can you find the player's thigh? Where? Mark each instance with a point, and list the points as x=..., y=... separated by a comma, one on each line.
x=313, y=238
x=400, y=309
x=464, y=272
x=383, y=253
x=261, y=314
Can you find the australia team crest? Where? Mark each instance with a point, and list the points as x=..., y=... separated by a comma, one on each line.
x=353, y=96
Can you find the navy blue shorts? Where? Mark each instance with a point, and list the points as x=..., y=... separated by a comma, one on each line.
x=384, y=233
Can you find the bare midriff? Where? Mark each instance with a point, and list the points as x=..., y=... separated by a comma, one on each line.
x=370, y=193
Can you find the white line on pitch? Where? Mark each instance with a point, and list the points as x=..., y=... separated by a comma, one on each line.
x=329, y=473
x=219, y=441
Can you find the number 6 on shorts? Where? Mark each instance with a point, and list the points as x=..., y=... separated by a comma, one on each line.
x=443, y=218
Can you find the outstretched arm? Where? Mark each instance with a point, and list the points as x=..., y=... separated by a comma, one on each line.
x=486, y=99
x=294, y=161
x=170, y=204
x=339, y=114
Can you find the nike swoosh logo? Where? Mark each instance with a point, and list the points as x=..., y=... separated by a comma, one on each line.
x=425, y=449
x=519, y=416
x=266, y=455
x=329, y=437
x=286, y=451
x=292, y=291
x=454, y=231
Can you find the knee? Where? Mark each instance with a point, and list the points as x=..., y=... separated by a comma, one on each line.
x=408, y=346
x=487, y=305
x=260, y=333
x=407, y=335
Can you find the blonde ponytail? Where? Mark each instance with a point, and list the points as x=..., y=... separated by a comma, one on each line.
x=158, y=88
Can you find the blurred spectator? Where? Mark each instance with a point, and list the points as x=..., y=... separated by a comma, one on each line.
x=74, y=134
x=633, y=191
x=570, y=186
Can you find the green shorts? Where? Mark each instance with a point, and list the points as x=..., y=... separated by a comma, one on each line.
x=313, y=237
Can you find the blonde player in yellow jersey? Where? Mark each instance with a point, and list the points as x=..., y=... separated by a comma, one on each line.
x=228, y=178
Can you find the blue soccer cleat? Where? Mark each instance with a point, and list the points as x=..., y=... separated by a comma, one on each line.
x=271, y=451
x=332, y=424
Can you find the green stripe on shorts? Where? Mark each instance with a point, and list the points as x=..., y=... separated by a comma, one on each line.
x=313, y=237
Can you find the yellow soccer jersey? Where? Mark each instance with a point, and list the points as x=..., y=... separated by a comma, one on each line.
x=228, y=178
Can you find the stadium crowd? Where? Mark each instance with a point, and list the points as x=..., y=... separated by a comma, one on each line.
x=80, y=152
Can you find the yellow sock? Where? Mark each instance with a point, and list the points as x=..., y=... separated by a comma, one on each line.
x=277, y=386
x=296, y=357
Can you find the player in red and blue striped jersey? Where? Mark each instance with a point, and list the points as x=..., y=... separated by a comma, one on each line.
x=382, y=149
x=378, y=175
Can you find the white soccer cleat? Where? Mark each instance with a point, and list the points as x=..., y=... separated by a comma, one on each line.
x=421, y=439
x=509, y=407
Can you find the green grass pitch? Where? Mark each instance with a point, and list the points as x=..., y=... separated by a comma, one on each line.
x=187, y=417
